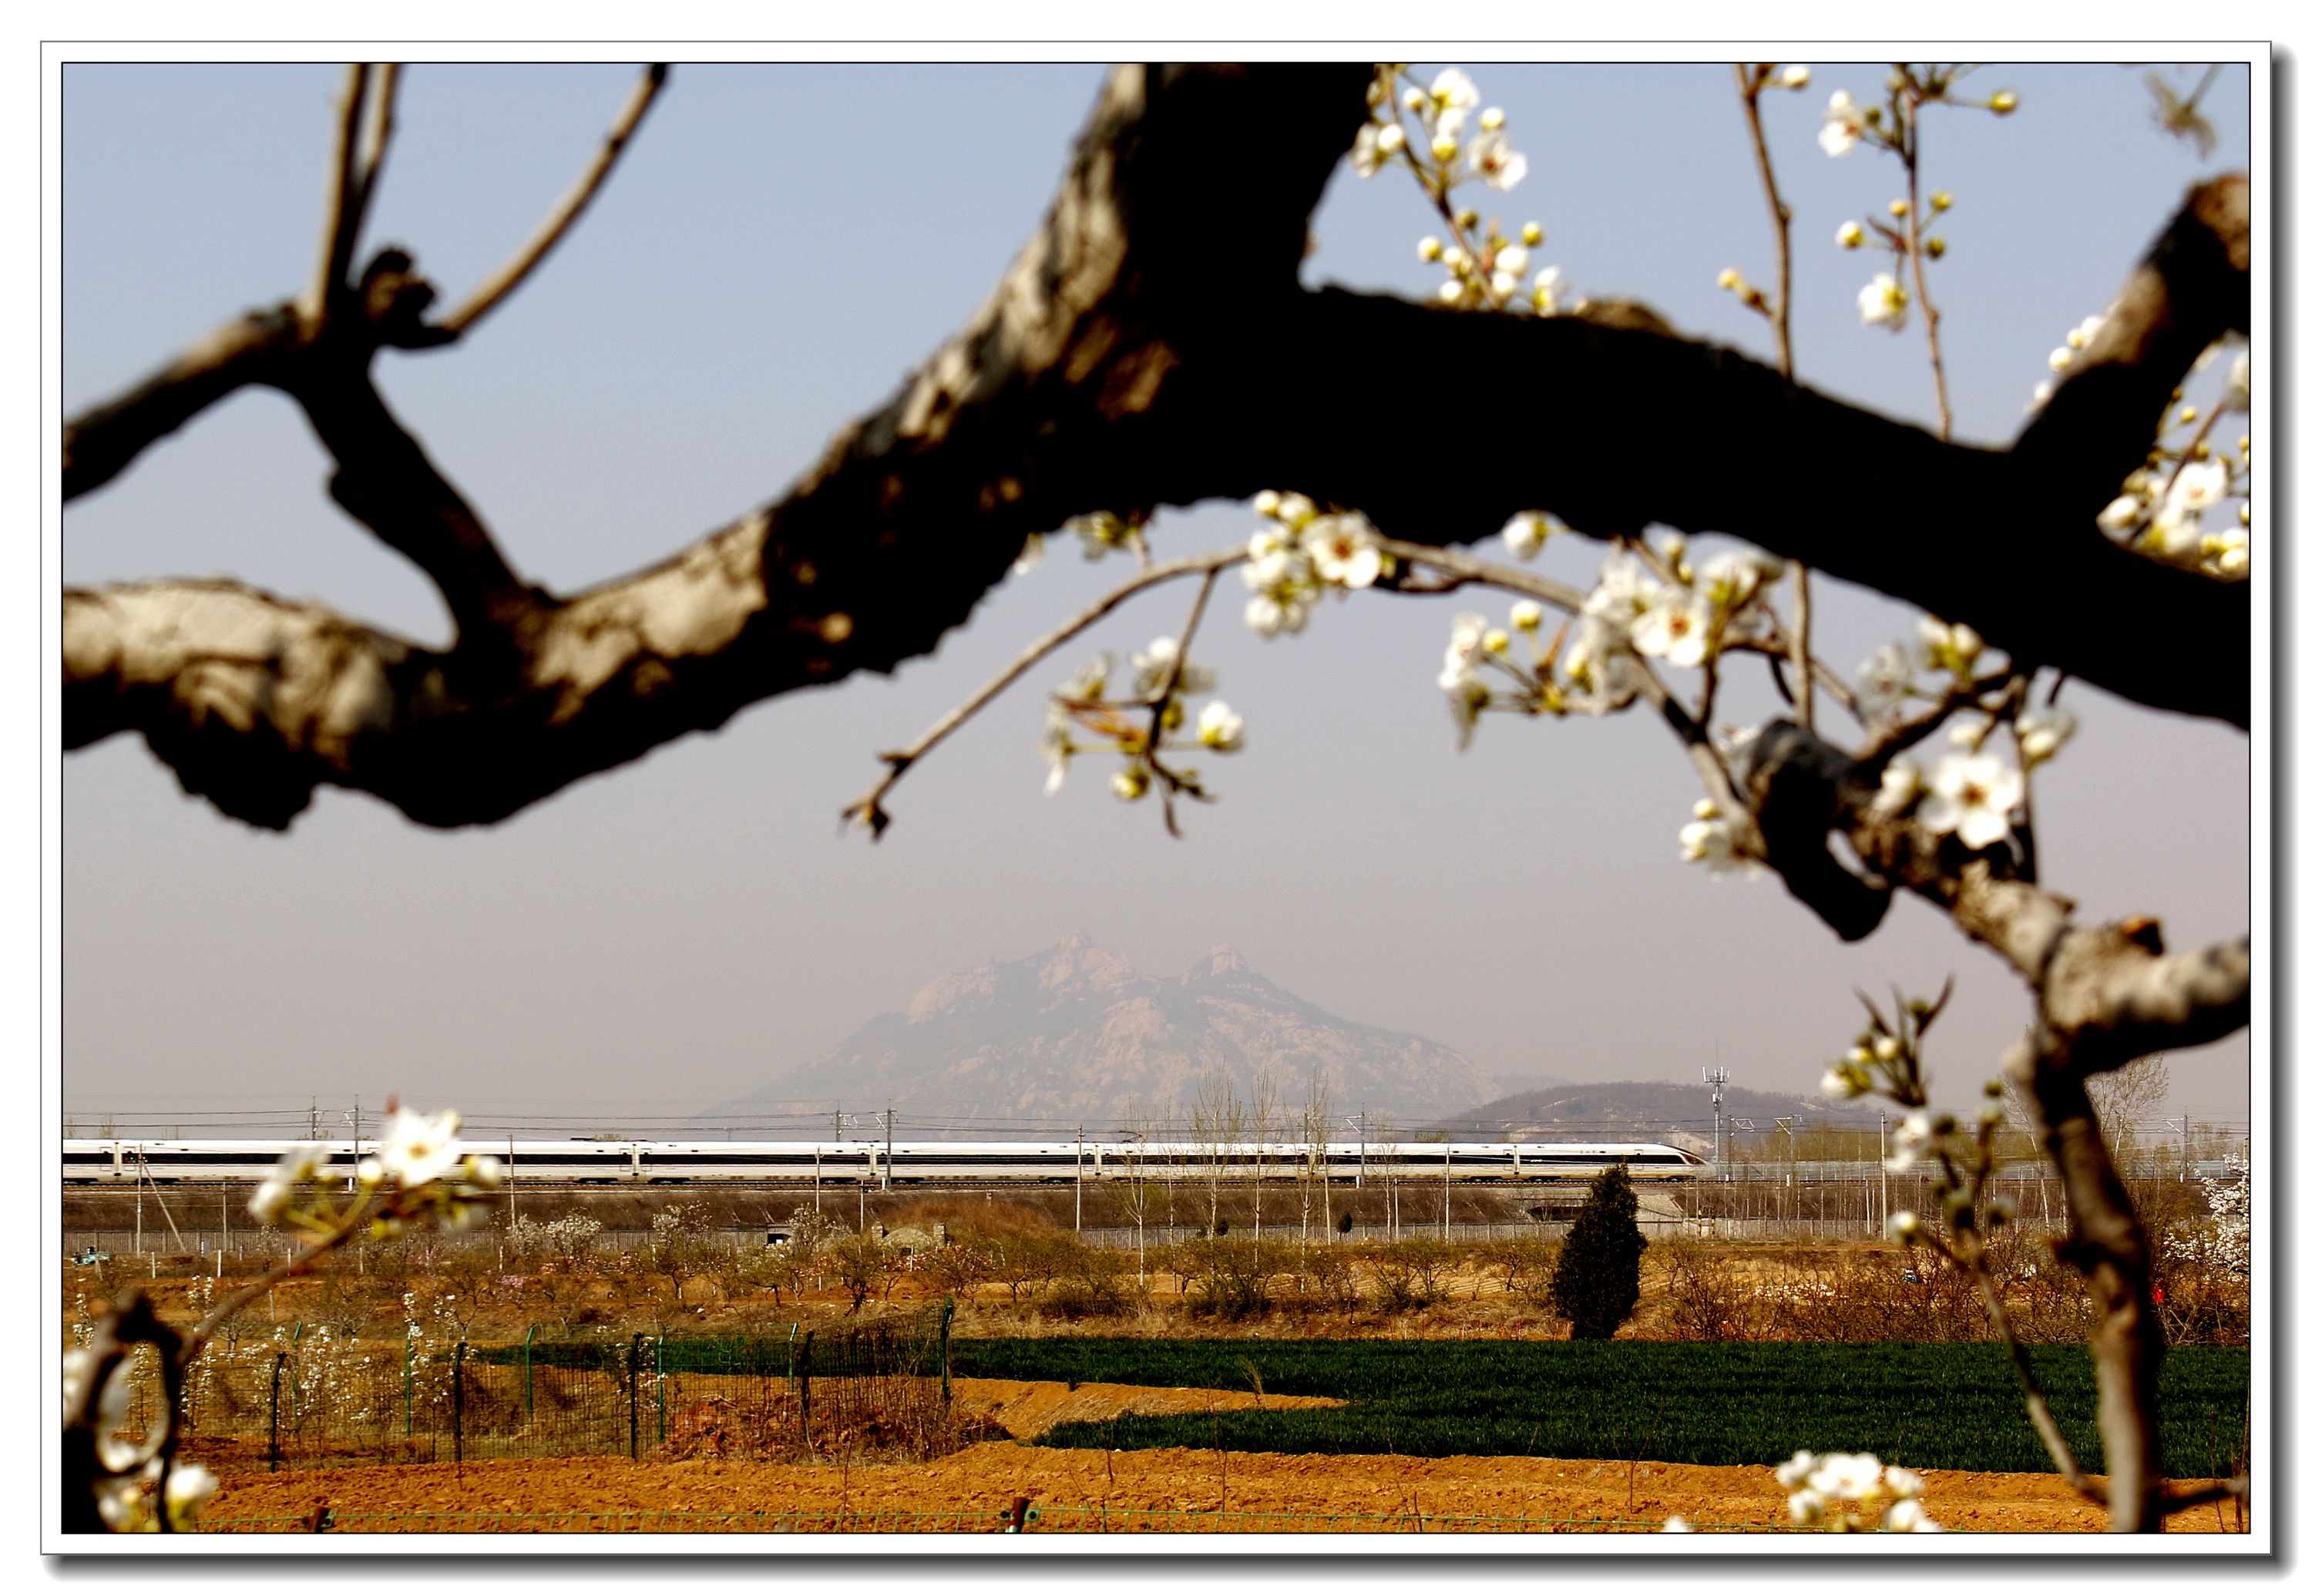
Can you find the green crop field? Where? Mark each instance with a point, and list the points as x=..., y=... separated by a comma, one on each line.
x=1946, y=1406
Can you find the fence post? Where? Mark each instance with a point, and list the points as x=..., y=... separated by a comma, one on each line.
x=458, y=1401
x=408, y=1383
x=658, y=1358
x=634, y=1409
x=528, y=1404
x=273, y=1445
x=803, y=1385
x=947, y=1320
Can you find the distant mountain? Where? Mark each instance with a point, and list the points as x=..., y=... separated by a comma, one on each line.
x=1633, y=1110
x=1076, y=1033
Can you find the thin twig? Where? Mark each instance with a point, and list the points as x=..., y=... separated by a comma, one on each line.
x=868, y=810
x=341, y=220
x=1932, y=317
x=2042, y=1418
x=1802, y=604
x=381, y=137
x=510, y=275
x=1469, y=568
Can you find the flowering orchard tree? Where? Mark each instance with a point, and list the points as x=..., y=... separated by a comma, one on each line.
x=418, y=1176
x=1123, y=364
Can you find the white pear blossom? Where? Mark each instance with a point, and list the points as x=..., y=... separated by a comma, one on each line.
x=1525, y=532
x=1790, y=1476
x=1733, y=577
x=1465, y=698
x=1268, y=616
x=1152, y=668
x=1885, y=303
x=297, y=1165
x=1675, y=629
x=2200, y=486
x=1343, y=550
x=2121, y=514
x=1220, y=728
x=418, y=1150
x=1903, y=1485
x=1808, y=1509
x=1898, y=786
x=1548, y=288
x=1842, y=124
x=1676, y=1525
x=1845, y=1476
x=1909, y=1517
x=1882, y=682
x=1365, y=157
x=1463, y=652
x=1913, y=1137
x=1513, y=259
x=1969, y=733
x=1973, y=795
x=1626, y=590
x=1453, y=92
x=2041, y=732
x=2226, y=552
x=1491, y=158
x=1943, y=647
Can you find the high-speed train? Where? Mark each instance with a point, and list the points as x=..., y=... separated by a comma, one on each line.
x=641, y=1162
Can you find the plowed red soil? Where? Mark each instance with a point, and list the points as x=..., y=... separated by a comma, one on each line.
x=982, y=1480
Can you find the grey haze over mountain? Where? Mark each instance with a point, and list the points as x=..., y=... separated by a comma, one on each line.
x=1076, y=1034
x=1651, y=1110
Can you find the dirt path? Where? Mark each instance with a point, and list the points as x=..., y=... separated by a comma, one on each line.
x=1382, y=1493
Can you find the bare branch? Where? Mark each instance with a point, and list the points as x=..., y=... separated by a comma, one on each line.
x=380, y=138
x=100, y=442
x=1121, y=364
x=341, y=218
x=2175, y=1500
x=868, y=808
x=510, y=277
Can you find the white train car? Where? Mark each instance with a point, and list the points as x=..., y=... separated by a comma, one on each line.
x=618, y=1162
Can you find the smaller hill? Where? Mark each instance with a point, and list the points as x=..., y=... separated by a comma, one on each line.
x=1637, y=1111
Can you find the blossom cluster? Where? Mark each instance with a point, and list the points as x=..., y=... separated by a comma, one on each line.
x=125, y=1495
x=1841, y=1492
x=419, y=1170
x=1486, y=269
x=1082, y=718
x=1304, y=556
x=2168, y=506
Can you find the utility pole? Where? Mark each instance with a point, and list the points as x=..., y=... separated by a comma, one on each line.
x=890, y=1116
x=1448, y=1188
x=1078, y=1179
x=1362, y=1120
x=1884, y=1211
x=1715, y=1079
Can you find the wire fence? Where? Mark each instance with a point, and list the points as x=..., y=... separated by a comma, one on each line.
x=1021, y=1518
x=314, y=1397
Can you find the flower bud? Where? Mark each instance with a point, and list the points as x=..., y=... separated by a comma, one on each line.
x=1935, y=247
x=1904, y=1226
x=1850, y=235
x=1704, y=810
x=1496, y=641
x=1994, y=1087
x=1494, y=119
x=1887, y=1048
x=1431, y=247
x=1524, y=615
x=1444, y=147
x=1730, y=280
x=1899, y=208
x=1530, y=234
x=1129, y=783
x=1391, y=139
x=1797, y=77
x=2003, y=102
x=1266, y=501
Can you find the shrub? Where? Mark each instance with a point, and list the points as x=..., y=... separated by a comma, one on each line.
x=1595, y=1282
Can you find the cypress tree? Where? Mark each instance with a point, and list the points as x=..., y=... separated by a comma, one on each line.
x=1596, y=1284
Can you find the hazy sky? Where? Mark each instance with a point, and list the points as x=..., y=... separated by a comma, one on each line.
x=779, y=248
